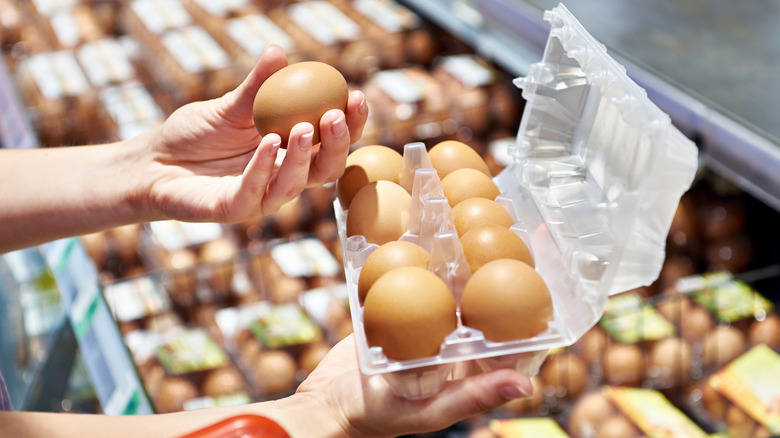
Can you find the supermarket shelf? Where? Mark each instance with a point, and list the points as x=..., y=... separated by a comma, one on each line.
x=735, y=130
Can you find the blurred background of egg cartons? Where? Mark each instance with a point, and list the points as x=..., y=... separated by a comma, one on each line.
x=265, y=300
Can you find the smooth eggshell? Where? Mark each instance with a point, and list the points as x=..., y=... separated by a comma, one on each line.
x=566, y=374
x=366, y=165
x=408, y=312
x=223, y=381
x=506, y=300
x=274, y=372
x=588, y=413
x=389, y=256
x=766, y=332
x=468, y=183
x=475, y=212
x=172, y=393
x=300, y=92
x=380, y=212
x=451, y=155
x=624, y=364
x=695, y=324
x=490, y=242
x=722, y=345
x=670, y=361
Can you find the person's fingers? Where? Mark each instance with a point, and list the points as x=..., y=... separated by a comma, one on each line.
x=242, y=98
x=293, y=173
x=357, y=114
x=474, y=395
x=256, y=177
x=328, y=163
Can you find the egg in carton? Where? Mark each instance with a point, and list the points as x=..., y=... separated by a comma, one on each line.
x=136, y=301
x=71, y=26
x=185, y=368
x=741, y=398
x=598, y=171
x=11, y=23
x=407, y=105
x=323, y=32
x=405, y=39
x=59, y=98
x=212, y=15
x=246, y=36
x=128, y=109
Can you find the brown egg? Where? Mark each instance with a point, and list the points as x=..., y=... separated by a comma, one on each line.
x=616, y=426
x=766, y=332
x=380, y=212
x=713, y=402
x=588, y=413
x=471, y=213
x=490, y=242
x=722, y=345
x=274, y=372
x=127, y=238
x=223, y=381
x=624, y=364
x=312, y=356
x=451, y=155
x=566, y=374
x=695, y=324
x=300, y=92
x=220, y=254
x=591, y=345
x=738, y=423
x=670, y=361
x=96, y=246
x=172, y=393
x=366, y=165
x=408, y=312
x=506, y=300
x=290, y=217
x=674, y=306
x=464, y=184
x=389, y=256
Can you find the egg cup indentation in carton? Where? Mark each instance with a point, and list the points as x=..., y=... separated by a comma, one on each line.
x=598, y=172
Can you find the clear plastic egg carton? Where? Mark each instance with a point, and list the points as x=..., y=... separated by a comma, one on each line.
x=597, y=175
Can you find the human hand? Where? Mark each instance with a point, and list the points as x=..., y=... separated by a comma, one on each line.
x=206, y=165
x=365, y=406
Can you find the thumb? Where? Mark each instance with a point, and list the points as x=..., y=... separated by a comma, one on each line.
x=478, y=394
x=242, y=98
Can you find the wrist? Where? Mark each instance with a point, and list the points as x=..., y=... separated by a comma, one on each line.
x=306, y=415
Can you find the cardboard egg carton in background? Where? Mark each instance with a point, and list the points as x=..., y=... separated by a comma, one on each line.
x=597, y=175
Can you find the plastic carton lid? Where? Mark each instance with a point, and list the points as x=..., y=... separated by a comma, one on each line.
x=598, y=163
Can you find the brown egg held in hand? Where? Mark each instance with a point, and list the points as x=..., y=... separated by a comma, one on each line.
x=451, y=155
x=408, y=312
x=387, y=257
x=301, y=92
x=379, y=212
x=506, y=300
x=475, y=212
x=486, y=243
x=464, y=184
x=366, y=165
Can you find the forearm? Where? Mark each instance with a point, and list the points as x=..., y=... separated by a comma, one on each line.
x=300, y=416
x=51, y=193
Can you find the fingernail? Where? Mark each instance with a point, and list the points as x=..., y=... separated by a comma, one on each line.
x=362, y=107
x=511, y=392
x=274, y=149
x=305, y=141
x=339, y=127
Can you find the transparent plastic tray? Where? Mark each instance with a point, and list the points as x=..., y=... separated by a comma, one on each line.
x=597, y=175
